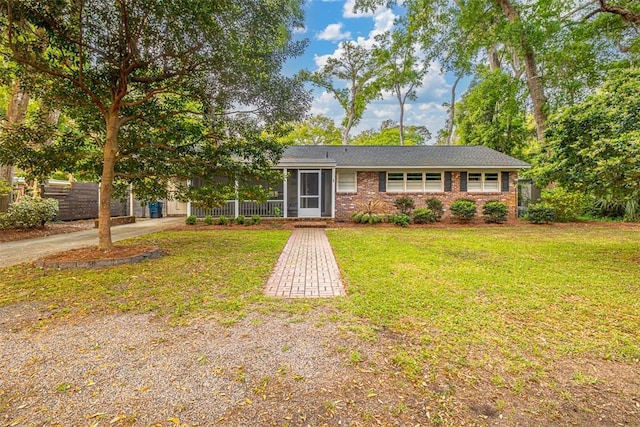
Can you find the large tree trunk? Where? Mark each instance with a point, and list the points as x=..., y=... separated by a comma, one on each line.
x=401, y=122
x=106, y=183
x=452, y=110
x=16, y=113
x=347, y=129
x=536, y=90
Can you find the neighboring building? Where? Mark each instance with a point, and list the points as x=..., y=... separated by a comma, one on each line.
x=335, y=181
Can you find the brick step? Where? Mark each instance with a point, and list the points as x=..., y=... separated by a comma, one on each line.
x=310, y=224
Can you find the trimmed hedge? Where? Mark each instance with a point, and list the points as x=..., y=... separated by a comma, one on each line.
x=495, y=211
x=463, y=209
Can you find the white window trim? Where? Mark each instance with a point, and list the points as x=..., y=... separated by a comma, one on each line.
x=423, y=188
x=483, y=181
x=355, y=182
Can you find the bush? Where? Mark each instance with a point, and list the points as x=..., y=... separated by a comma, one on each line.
x=367, y=218
x=405, y=204
x=495, y=211
x=29, y=212
x=191, y=220
x=255, y=219
x=423, y=216
x=240, y=220
x=5, y=188
x=402, y=220
x=436, y=207
x=463, y=209
x=567, y=206
x=223, y=220
x=208, y=220
x=540, y=213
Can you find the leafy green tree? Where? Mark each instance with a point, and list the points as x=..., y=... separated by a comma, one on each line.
x=157, y=85
x=351, y=79
x=492, y=113
x=316, y=130
x=415, y=135
x=401, y=70
x=594, y=146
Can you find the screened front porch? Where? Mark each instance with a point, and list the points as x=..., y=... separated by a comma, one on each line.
x=303, y=193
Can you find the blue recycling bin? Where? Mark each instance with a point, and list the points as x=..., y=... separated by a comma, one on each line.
x=155, y=210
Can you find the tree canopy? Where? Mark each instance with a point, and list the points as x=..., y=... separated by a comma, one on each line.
x=351, y=79
x=157, y=89
x=594, y=146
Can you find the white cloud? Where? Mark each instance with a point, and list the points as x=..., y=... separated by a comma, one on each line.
x=321, y=60
x=300, y=30
x=383, y=21
x=326, y=105
x=333, y=32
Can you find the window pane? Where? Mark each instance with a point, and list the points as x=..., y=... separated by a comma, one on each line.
x=347, y=181
x=491, y=182
x=474, y=181
x=395, y=181
x=434, y=182
x=414, y=181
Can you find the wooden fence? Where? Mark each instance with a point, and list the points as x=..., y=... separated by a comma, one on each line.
x=80, y=201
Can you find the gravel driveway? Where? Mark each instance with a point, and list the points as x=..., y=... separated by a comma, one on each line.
x=135, y=369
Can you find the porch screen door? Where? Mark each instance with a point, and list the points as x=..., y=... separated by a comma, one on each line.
x=309, y=194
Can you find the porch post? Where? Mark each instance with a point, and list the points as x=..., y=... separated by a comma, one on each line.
x=236, y=203
x=189, y=201
x=333, y=193
x=285, y=194
x=130, y=199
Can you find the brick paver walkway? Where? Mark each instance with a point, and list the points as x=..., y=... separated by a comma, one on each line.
x=306, y=268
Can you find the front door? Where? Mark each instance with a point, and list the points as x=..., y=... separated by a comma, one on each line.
x=309, y=194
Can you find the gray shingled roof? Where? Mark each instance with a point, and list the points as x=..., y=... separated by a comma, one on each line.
x=453, y=156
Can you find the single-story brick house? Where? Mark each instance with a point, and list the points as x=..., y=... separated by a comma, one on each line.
x=323, y=181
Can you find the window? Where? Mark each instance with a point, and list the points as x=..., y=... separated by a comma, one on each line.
x=491, y=182
x=474, y=182
x=433, y=181
x=483, y=182
x=347, y=182
x=395, y=181
x=414, y=181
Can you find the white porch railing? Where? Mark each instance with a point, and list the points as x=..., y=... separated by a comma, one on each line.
x=269, y=209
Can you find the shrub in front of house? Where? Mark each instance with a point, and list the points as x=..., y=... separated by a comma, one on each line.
x=240, y=220
x=403, y=220
x=208, y=220
x=405, y=204
x=223, y=220
x=29, y=212
x=495, y=211
x=463, y=209
x=567, y=206
x=540, y=213
x=436, y=207
x=424, y=216
x=255, y=219
x=191, y=220
x=367, y=218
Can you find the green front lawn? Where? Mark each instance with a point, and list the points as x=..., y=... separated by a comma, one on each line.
x=451, y=325
x=523, y=292
x=218, y=273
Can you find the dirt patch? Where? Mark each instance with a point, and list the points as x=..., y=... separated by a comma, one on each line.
x=273, y=370
x=12, y=235
x=93, y=253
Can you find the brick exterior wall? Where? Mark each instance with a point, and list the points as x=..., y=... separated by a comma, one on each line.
x=368, y=191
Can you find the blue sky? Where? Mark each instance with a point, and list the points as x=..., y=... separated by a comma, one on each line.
x=329, y=22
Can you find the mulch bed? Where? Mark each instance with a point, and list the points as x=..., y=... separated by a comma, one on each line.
x=13, y=235
x=93, y=257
